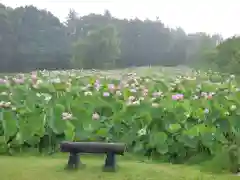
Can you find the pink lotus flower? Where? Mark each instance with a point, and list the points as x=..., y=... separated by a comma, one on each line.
x=34, y=77
x=3, y=81
x=209, y=96
x=18, y=80
x=4, y=104
x=203, y=93
x=133, y=90
x=66, y=116
x=177, y=96
x=131, y=98
x=118, y=93
x=97, y=85
x=97, y=82
x=111, y=86
x=145, y=92
x=106, y=94
x=156, y=94
x=95, y=116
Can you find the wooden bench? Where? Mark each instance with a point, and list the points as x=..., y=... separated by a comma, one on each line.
x=75, y=148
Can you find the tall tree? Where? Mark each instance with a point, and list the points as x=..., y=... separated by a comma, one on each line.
x=6, y=39
x=227, y=56
x=99, y=49
x=35, y=39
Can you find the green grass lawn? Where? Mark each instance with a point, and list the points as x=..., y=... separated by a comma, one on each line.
x=52, y=168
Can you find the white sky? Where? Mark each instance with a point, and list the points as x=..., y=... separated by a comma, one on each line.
x=211, y=16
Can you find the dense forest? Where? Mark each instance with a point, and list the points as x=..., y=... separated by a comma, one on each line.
x=35, y=39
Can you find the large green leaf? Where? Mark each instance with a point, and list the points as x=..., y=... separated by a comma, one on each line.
x=56, y=122
x=157, y=139
x=162, y=148
x=69, y=131
x=188, y=141
x=9, y=123
x=172, y=128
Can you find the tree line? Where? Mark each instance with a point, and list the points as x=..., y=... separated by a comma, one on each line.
x=35, y=39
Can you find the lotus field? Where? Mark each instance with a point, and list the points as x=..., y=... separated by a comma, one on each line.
x=172, y=117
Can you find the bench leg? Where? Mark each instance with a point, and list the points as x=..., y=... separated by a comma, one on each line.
x=110, y=162
x=74, y=161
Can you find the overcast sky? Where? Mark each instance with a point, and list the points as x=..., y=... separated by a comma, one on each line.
x=212, y=16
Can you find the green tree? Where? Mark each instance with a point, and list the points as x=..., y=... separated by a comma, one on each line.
x=31, y=38
x=199, y=46
x=41, y=39
x=7, y=39
x=99, y=49
x=227, y=56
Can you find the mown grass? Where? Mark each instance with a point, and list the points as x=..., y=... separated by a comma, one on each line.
x=52, y=168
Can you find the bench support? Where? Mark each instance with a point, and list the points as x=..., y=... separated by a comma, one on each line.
x=74, y=161
x=110, y=162
x=76, y=149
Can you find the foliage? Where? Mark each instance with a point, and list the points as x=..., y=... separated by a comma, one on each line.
x=35, y=39
x=226, y=56
x=204, y=47
x=99, y=49
x=175, y=119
